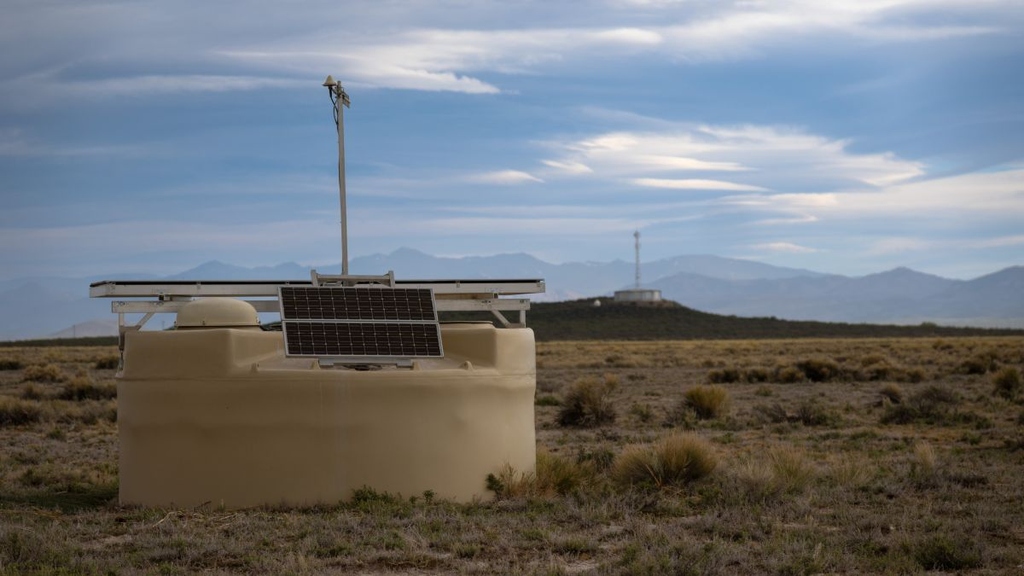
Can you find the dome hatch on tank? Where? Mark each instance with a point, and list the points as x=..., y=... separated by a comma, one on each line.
x=217, y=313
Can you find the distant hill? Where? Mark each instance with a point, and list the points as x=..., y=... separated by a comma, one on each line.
x=900, y=296
x=582, y=320
x=41, y=307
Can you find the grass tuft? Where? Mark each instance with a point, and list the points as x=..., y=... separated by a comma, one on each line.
x=707, y=402
x=728, y=375
x=892, y=392
x=589, y=403
x=43, y=373
x=819, y=369
x=547, y=400
x=933, y=405
x=10, y=364
x=781, y=470
x=676, y=460
x=944, y=552
x=108, y=362
x=810, y=412
x=82, y=388
x=1007, y=383
x=32, y=392
x=15, y=412
x=923, y=463
x=789, y=375
x=554, y=475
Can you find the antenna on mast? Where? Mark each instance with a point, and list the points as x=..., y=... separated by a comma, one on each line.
x=340, y=99
x=636, y=235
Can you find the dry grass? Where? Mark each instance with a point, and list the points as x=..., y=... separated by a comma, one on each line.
x=672, y=462
x=865, y=456
x=707, y=402
x=589, y=402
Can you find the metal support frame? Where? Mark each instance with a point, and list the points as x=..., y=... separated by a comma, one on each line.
x=149, y=297
x=385, y=280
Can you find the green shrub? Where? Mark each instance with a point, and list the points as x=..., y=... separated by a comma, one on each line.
x=9, y=364
x=14, y=412
x=707, y=402
x=1007, y=383
x=43, y=373
x=588, y=403
x=676, y=460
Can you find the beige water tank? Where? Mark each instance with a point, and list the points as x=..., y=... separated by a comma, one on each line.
x=221, y=417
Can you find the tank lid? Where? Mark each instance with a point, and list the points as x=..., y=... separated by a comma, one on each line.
x=217, y=313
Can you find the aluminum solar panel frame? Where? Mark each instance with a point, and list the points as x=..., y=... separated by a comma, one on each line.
x=360, y=324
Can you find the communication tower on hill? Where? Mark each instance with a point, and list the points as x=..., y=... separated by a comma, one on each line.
x=637, y=294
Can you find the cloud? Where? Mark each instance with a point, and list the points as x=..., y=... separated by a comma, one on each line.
x=16, y=142
x=998, y=193
x=163, y=84
x=789, y=221
x=373, y=46
x=898, y=245
x=503, y=178
x=568, y=167
x=999, y=241
x=786, y=247
x=777, y=158
x=696, y=184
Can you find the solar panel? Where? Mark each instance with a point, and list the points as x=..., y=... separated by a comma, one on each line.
x=357, y=303
x=359, y=322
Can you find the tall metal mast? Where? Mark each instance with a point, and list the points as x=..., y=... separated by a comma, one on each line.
x=340, y=100
x=636, y=235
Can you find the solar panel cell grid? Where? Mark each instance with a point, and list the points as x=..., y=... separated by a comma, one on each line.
x=357, y=303
x=360, y=322
x=400, y=340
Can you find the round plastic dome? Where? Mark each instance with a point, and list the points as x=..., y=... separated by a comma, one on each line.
x=217, y=313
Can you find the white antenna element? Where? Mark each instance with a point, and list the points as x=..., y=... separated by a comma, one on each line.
x=340, y=99
x=636, y=235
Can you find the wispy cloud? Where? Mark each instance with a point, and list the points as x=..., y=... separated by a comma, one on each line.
x=786, y=247
x=696, y=184
x=503, y=177
x=374, y=47
x=16, y=142
x=568, y=167
x=768, y=157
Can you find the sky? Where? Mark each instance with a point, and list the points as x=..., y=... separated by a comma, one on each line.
x=842, y=136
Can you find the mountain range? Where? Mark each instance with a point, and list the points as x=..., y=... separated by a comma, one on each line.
x=44, y=307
